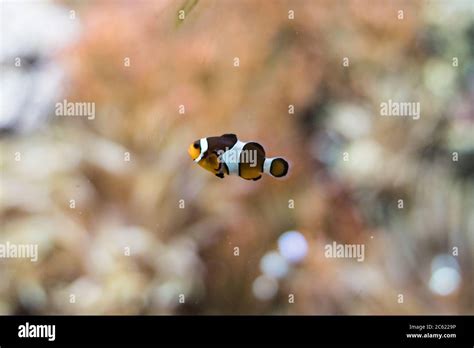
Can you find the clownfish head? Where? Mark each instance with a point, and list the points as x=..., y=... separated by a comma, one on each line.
x=199, y=153
x=194, y=150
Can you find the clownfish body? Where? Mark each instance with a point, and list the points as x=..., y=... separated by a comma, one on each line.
x=226, y=155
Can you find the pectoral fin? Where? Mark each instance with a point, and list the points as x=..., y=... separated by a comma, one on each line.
x=213, y=161
x=210, y=163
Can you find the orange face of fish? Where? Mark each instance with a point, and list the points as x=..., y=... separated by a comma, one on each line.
x=209, y=163
x=194, y=150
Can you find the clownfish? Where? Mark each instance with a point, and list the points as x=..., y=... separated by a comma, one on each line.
x=226, y=155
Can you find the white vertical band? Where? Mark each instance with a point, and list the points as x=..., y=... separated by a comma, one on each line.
x=204, y=147
x=232, y=157
x=267, y=165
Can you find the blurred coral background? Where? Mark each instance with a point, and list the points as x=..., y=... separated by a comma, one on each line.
x=202, y=245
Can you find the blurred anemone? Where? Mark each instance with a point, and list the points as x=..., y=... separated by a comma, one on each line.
x=32, y=79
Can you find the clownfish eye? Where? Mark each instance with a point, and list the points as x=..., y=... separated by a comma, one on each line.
x=196, y=145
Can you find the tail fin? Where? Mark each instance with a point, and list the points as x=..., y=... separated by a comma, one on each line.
x=275, y=166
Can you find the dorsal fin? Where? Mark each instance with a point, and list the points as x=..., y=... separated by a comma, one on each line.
x=231, y=136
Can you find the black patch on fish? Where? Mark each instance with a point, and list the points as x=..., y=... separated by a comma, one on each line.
x=221, y=144
x=260, y=158
x=232, y=137
x=276, y=173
